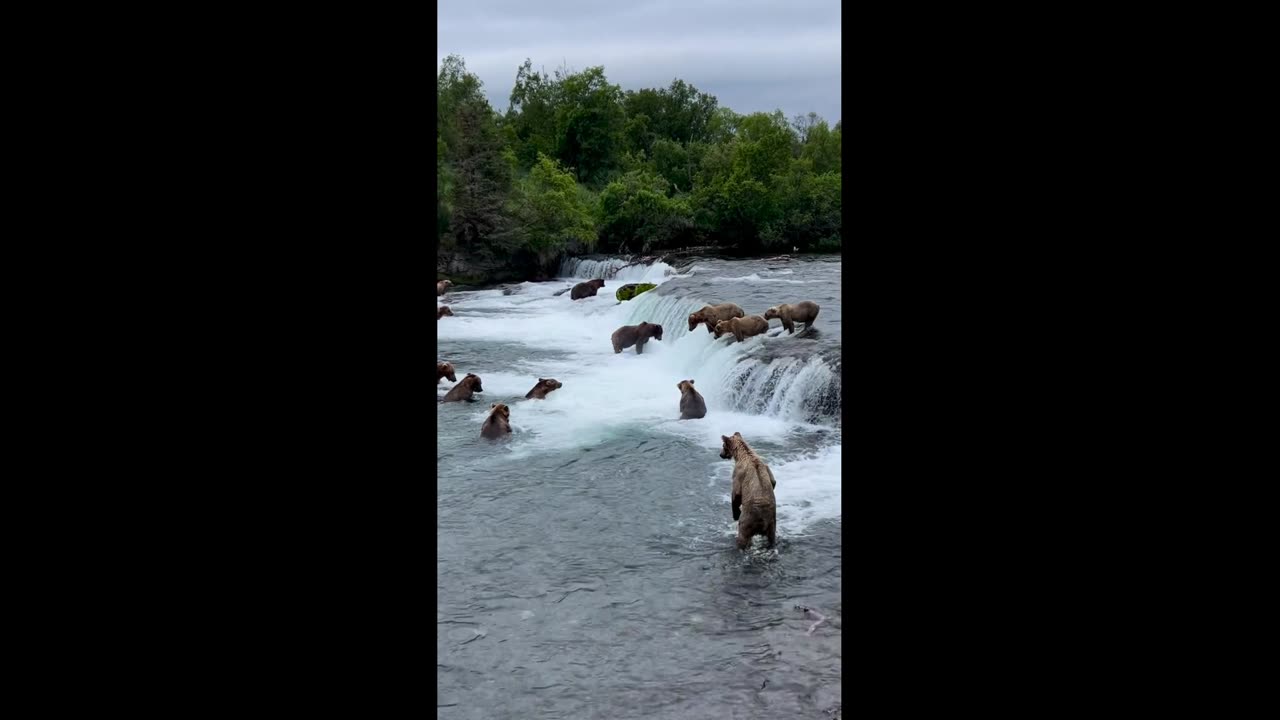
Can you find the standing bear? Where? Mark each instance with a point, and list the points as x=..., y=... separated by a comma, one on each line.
x=586, y=289
x=464, y=390
x=628, y=335
x=743, y=327
x=692, y=406
x=802, y=312
x=498, y=423
x=544, y=386
x=753, y=503
x=712, y=314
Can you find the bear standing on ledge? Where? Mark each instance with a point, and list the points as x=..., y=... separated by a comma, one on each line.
x=743, y=327
x=586, y=289
x=712, y=314
x=628, y=335
x=802, y=312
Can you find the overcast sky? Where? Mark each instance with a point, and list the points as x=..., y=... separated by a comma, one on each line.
x=753, y=55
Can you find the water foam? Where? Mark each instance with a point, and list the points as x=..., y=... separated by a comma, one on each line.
x=785, y=401
x=620, y=269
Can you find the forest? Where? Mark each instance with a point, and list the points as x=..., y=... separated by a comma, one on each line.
x=575, y=165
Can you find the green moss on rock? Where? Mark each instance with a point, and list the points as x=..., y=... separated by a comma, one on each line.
x=626, y=292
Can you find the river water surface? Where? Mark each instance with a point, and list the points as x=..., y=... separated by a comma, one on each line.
x=586, y=566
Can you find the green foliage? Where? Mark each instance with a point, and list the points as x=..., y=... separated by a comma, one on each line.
x=637, y=215
x=479, y=168
x=552, y=211
x=574, y=161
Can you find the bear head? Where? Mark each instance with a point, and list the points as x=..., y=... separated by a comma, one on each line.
x=446, y=369
x=500, y=410
x=772, y=313
x=549, y=383
x=730, y=444
x=474, y=381
x=685, y=386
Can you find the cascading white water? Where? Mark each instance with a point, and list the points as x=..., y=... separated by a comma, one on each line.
x=801, y=389
x=619, y=269
x=780, y=391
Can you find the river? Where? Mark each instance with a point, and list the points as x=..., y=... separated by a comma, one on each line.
x=586, y=567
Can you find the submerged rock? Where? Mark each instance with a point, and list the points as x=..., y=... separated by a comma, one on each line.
x=630, y=290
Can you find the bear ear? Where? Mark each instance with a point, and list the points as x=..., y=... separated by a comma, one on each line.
x=724, y=438
x=493, y=406
x=691, y=381
x=737, y=434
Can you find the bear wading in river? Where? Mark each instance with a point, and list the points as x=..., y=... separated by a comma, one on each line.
x=802, y=312
x=712, y=314
x=443, y=311
x=692, y=406
x=544, y=386
x=498, y=423
x=443, y=286
x=586, y=289
x=628, y=335
x=754, y=506
x=743, y=327
x=444, y=370
x=464, y=390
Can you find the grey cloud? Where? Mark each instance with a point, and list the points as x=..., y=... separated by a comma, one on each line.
x=752, y=55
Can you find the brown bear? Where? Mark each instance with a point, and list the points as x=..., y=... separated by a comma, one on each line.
x=444, y=370
x=712, y=314
x=443, y=311
x=443, y=286
x=692, y=406
x=464, y=390
x=544, y=386
x=498, y=423
x=743, y=327
x=802, y=312
x=586, y=289
x=628, y=335
x=753, y=503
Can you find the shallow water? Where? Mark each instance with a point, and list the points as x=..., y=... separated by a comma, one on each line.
x=586, y=566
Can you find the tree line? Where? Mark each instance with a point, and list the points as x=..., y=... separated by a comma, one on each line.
x=577, y=165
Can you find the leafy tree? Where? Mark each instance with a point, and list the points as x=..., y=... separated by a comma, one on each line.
x=552, y=212
x=589, y=124
x=673, y=168
x=479, y=171
x=822, y=148
x=531, y=115
x=809, y=214
x=671, y=161
x=637, y=215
